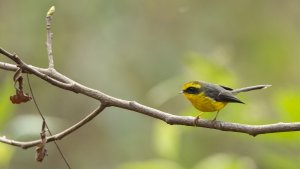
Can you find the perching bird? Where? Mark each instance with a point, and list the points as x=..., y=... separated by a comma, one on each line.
x=208, y=97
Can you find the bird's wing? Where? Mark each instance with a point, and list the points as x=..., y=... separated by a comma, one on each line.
x=227, y=97
x=220, y=94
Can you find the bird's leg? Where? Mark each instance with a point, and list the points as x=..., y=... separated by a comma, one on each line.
x=216, y=116
x=197, y=117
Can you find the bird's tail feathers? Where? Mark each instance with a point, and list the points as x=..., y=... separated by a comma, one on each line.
x=246, y=89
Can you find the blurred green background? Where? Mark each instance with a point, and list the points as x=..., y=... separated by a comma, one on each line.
x=144, y=51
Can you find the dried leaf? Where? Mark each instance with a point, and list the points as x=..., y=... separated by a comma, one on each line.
x=40, y=150
x=20, y=97
x=17, y=75
x=18, y=79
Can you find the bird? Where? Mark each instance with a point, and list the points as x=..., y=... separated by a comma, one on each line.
x=209, y=97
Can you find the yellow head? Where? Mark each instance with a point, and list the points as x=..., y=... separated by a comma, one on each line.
x=191, y=88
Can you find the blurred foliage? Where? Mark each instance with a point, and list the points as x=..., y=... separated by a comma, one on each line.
x=6, y=107
x=286, y=101
x=226, y=161
x=144, y=51
x=166, y=145
x=208, y=69
x=6, y=151
x=157, y=164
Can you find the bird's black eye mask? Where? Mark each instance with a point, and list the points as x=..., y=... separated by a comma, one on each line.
x=192, y=90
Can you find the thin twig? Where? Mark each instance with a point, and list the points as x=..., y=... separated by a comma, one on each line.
x=57, y=136
x=49, y=36
x=8, y=66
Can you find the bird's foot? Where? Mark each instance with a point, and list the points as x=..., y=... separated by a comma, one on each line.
x=196, y=120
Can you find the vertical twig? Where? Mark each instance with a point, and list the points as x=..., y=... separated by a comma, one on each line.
x=49, y=36
x=51, y=66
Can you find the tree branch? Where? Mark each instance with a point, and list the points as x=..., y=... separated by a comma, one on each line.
x=54, y=78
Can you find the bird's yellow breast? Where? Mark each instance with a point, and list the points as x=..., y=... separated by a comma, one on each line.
x=204, y=103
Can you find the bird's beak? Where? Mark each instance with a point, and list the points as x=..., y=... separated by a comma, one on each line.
x=180, y=92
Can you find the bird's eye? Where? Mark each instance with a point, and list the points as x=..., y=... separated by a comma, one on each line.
x=192, y=90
